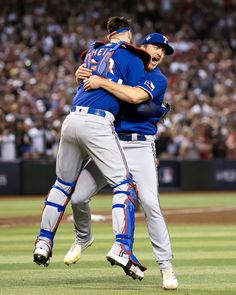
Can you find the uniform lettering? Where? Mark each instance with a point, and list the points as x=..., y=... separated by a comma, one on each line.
x=165, y=39
x=100, y=51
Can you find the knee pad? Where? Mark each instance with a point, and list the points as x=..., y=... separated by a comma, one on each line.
x=59, y=195
x=127, y=187
x=66, y=188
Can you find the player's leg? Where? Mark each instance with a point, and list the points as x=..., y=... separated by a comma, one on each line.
x=69, y=161
x=142, y=163
x=104, y=148
x=89, y=182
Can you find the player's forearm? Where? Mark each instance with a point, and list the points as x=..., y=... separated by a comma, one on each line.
x=125, y=92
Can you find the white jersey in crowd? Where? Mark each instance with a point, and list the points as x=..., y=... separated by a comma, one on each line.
x=37, y=136
x=8, y=149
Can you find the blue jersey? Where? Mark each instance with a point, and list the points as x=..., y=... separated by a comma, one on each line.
x=155, y=83
x=124, y=65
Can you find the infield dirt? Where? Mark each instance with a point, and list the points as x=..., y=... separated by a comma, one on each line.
x=175, y=216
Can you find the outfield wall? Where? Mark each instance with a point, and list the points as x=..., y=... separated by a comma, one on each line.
x=35, y=177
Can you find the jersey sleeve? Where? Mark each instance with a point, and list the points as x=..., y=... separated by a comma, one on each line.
x=154, y=85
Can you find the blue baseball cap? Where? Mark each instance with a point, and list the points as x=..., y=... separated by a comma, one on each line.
x=156, y=38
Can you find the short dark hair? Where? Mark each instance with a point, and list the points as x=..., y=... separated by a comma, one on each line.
x=117, y=22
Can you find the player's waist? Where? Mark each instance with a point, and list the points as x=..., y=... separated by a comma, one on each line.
x=135, y=137
x=80, y=110
x=97, y=99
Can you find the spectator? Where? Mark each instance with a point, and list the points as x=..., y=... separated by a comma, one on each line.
x=8, y=145
x=231, y=143
x=40, y=45
x=25, y=141
x=38, y=140
x=188, y=148
x=203, y=140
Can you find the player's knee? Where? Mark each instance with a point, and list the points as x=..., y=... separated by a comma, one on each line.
x=150, y=204
x=126, y=189
x=66, y=187
x=78, y=199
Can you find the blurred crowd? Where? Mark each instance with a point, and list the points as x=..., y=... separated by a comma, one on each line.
x=40, y=45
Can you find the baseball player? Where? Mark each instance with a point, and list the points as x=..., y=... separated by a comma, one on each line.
x=88, y=132
x=136, y=129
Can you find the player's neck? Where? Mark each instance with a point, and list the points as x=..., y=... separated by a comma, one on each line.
x=117, y=39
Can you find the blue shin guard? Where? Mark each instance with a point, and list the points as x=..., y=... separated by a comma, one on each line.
x=125, y=201
x=125, y=207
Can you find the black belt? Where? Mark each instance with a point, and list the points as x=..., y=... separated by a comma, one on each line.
x=92, y=111
x=131, y=137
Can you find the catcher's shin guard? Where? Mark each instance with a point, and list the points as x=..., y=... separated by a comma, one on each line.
x=123, y=215
x=55, y=205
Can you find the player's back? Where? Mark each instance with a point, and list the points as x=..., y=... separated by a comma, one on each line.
x=124, y=65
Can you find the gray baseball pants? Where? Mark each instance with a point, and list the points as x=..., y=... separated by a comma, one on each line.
x=142, y=164
x=85, y=135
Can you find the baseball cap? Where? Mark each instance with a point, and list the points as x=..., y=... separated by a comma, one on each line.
x=157, y=38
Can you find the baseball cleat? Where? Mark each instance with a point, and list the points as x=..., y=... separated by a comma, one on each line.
x=117, y=256
x=42, y=252
x=41, y=256
x=75, y=252
x=169, y=280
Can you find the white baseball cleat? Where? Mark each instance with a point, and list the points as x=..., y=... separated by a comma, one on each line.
x=75, y=252
x=42, y=252
x=169, y=281
x=117, y=256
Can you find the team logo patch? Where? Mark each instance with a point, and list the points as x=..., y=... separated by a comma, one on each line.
x=150, y=85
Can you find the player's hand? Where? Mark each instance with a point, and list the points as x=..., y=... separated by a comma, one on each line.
x=82, y=73
x=93, y=82
x=167, y=110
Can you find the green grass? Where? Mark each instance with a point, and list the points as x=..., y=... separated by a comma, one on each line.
x=205, y=263
x=205, y=256
x=32, y=206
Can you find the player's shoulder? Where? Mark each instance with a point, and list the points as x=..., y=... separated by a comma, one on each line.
x=127, y=53
x=157, y=75
x=126, y=58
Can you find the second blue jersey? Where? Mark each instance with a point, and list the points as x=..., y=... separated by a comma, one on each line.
x=124, y=65
x=155, y=83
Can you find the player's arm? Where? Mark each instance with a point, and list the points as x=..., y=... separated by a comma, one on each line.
x=151, y=109
x=126, y=93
